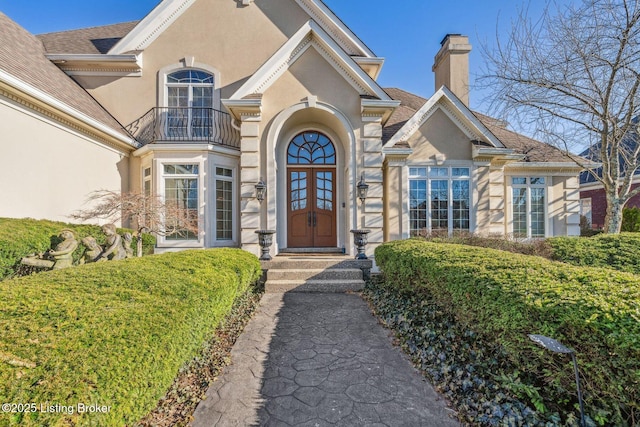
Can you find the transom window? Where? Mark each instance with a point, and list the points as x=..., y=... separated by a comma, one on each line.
x=529, y=203
x=439, y=199
x=311, y=148
x=190, y=100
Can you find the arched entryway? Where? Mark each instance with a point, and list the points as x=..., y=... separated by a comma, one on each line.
x=311, y=191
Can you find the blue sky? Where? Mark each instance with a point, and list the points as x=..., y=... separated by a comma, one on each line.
x=406, y=33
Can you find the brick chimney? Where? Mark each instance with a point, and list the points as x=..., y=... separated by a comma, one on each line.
x=451, y=65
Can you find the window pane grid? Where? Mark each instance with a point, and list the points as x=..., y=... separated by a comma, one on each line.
x=182, y=194
x=460, y=200
x=529, y=217
x=298, y=191
x=520, y=212
x=311, y=148
x=439, y=199
x=224, y=210
x=418, y=206
x=439, y=205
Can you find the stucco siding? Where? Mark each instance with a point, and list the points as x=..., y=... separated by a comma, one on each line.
x=50, y=170
x=439, y=135
x=312, y=75
x=481, y=197
x=234, y=40
x=393, y=201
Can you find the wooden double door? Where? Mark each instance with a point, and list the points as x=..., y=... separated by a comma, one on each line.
x=311, y=211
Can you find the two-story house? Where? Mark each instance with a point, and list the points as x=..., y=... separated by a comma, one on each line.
x=203, y=99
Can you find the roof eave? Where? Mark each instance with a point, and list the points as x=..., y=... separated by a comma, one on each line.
x=98, y=65
x=21, y=89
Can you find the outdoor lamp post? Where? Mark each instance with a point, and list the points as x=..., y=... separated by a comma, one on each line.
x=557, y=347
x=360, y=237
x=261, y=190
x=363, y=189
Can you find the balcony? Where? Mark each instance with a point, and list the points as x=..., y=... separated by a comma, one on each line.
x=193, y=125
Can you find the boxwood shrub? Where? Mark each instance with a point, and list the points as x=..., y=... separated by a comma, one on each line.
x=617, y=251
x=502, y=297
x=22, y=237
x=114, y=333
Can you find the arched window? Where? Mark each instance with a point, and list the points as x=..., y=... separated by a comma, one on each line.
x=311, y=148
x=190, y=102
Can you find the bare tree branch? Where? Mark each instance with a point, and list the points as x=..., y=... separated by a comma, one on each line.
x=149, y=214
x=574, y=75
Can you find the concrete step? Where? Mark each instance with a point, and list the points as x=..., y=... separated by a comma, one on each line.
x=328, y=286
x=314, y=263
x=315, y=274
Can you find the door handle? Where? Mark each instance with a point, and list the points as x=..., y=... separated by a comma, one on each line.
x=309, y=219
x=315, y=220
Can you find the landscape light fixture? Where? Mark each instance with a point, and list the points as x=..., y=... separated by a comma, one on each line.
x=261, y=190
x=557, y=347
x=363, y=189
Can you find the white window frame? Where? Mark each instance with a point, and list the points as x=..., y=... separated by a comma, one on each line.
x=163, y=91
x=528, y=186
x=147, y=179
x=162, y=176
x=588, y=214
x=234, y=212
x=450, y=179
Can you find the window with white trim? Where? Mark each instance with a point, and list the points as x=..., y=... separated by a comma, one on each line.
x=181, y=196
x=586, y=210
x=146, y=182
x=190, y=100
x=439, y=199
x=224, y=204
x=529, y=206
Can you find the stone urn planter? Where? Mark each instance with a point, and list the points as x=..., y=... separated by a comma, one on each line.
x=361, y=238
x=265, y=239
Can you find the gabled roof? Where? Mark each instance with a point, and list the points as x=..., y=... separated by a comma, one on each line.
x=310, y=35
x=24, y=67
x=165, y=13
x=87, y=41
x=443, y=99
x=411, y=105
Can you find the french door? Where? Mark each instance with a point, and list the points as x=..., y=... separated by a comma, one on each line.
x=311, y=207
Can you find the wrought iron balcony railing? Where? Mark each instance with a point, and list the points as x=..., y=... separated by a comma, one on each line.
x=176, y=124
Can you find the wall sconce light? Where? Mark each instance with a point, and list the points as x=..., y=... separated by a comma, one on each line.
x=363, y=189
x=261, y=190
x=557, y=347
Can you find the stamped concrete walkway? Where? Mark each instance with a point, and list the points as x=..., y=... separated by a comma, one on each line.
x=318, y=360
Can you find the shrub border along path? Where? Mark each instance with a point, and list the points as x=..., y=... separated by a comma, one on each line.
x=189, y=388
x=501, y=297
x=113, y=334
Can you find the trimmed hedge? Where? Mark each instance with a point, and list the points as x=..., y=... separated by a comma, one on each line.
x=617, y=251
x=113, y=333
x=22, y=237
x=631, y=220
x=503, y=297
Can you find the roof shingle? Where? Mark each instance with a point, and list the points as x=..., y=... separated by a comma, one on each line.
x=94, y=40
x=22, y=56
x=535, y=151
